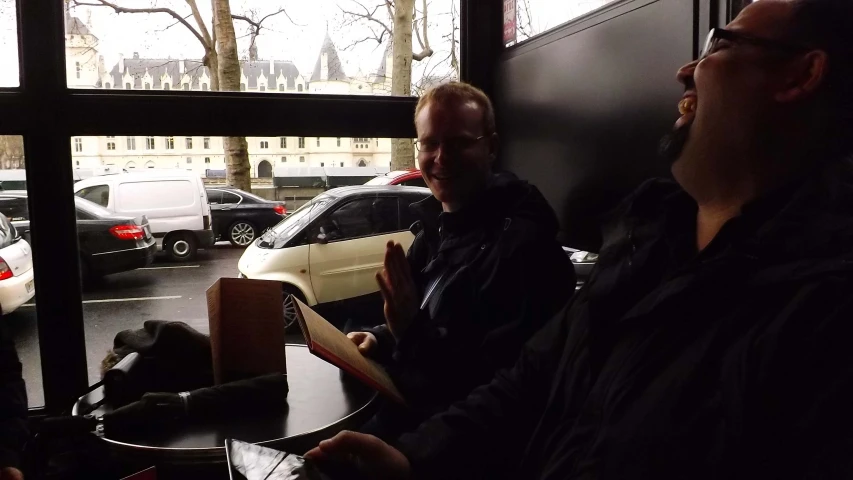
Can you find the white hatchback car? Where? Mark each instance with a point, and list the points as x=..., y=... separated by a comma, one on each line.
x=16, y=269
x=329, y=250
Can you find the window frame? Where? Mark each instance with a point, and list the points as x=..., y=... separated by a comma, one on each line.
x=47, y=130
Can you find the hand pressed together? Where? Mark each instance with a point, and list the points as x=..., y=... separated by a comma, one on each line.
x=398, y=290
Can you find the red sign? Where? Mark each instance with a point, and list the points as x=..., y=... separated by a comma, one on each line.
x=509, y=21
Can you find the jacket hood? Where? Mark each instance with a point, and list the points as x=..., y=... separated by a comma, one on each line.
x=506, y=197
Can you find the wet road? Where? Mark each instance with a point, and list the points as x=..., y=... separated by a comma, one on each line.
x=165, y=291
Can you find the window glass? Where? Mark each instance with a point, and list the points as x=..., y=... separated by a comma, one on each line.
x=535, y=17
x=230, y=198
x=214, y=197
x=17, y=283
x=318, y=47
x=359, y=218
x=14, y=207
x=99, y=194
x=9, y=76
x=415, y=182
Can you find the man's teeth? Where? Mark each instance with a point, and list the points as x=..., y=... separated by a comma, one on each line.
x=687, y=105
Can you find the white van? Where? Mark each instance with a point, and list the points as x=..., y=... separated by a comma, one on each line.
x=174, y=201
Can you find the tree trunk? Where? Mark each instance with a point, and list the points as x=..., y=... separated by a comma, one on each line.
x=11, y=152
x=237, y=167
x=402, y=149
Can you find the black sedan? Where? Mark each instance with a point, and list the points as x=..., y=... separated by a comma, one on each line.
x=241, y=217
x=109, y=243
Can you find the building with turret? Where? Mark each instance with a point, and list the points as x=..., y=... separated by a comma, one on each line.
x=85, y=69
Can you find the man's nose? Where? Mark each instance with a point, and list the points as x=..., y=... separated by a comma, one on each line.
x=685, y=74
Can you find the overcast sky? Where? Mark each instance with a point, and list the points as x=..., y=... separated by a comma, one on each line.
x=296, y=36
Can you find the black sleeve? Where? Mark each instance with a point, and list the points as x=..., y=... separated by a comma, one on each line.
x=498, y=417
x=799, y=388
x=13, y=404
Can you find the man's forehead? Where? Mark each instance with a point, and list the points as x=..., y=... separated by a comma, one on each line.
x=463, y=112
x=764, y=18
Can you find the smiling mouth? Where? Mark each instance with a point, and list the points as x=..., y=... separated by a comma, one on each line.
x=687, y=105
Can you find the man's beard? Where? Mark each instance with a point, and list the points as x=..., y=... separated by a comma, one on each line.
x=672, y=144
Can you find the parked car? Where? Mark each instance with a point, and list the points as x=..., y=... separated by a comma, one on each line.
x=109, y=243
x=16, y=269
x=174, y=201
x=240, y=217
x=407, y=178
x=329, y=250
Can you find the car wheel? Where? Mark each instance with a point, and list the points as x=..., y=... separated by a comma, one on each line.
x=289, y=308
x=241, y=234
x=181, y=247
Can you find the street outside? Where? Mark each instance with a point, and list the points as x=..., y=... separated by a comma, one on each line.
x=164, y=291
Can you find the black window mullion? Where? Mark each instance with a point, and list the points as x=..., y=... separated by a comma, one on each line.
x=41, y=32
x=249, y=114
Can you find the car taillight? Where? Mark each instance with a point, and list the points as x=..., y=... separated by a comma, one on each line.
x=5, y=271
x=280, y=209
x=128, y=232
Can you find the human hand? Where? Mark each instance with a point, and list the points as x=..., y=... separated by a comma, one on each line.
x=365, y=341
x=398, y=290
x=9, y=473
x=365, y=454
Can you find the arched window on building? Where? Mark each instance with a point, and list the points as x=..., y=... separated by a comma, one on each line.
x=107, y=85
x=130, y=165
x=204, y=86
x=299, y=88
x=149, y=164
x=362, y=162
x=128, y=86
x=264, y=169
x=166, y=86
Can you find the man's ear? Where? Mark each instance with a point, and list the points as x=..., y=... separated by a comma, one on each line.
x=493, y=147
x=805, y=76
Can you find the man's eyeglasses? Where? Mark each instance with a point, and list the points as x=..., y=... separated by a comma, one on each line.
x=719, y=35
x=456, y=144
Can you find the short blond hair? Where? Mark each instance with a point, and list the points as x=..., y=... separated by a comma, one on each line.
x=459, y=93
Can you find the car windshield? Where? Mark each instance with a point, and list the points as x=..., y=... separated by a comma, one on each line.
x=91, y=208
x=383, y=180
x=279, y=235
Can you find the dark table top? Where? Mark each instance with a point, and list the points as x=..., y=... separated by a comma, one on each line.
x=320, y=403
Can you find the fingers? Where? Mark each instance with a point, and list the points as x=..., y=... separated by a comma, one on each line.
x=347, y=444
x=384, y=287
x=356, y=337
x=365, y=341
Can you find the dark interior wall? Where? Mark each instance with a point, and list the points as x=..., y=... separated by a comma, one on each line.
x=582, y=109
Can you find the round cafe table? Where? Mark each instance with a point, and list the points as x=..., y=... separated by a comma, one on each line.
x=321, y=403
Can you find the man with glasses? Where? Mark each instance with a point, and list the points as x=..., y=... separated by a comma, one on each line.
x=484, y=273
x=713, y=339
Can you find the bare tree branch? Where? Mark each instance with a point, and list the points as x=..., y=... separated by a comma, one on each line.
x=204, y=30
x=369, y=15
x=120, y=9
x=426, y=51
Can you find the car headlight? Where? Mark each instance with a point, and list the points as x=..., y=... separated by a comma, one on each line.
x=584, y=257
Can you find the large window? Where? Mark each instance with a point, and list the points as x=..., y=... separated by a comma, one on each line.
x=143, y=55
x=535, y=17
x=319, y=47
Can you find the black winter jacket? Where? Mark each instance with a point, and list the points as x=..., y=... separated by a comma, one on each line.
x=733, y=363
x=504, y=276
